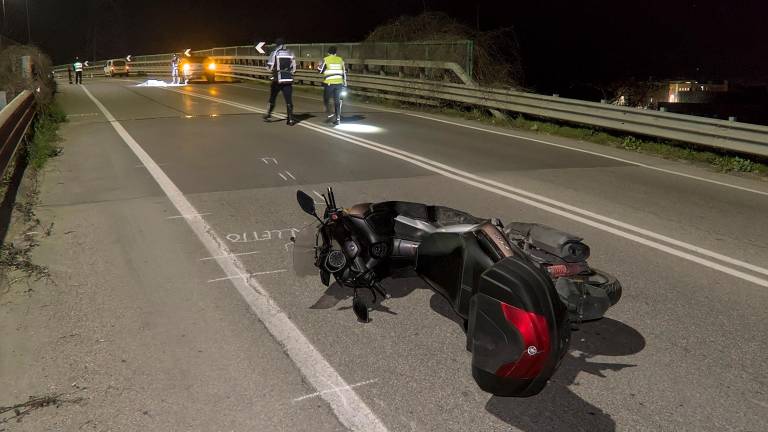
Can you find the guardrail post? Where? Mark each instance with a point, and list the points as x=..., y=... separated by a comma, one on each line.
x=732, y=118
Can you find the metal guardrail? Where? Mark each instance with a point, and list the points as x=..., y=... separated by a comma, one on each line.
x=440, y=83
x=15, y=119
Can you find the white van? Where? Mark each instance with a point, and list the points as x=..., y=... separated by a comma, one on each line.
x=116, y=68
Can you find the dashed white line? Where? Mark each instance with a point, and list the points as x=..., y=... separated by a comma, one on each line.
x=282, y=176
x=351, y=411
x=230, y=255
x=290, y=175
x=187, y=216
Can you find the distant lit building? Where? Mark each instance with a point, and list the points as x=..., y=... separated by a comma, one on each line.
x=695, y=92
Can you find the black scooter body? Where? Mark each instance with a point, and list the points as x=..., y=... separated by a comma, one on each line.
x=517, y=328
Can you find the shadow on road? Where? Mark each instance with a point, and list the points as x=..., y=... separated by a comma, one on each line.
x=397, y=287
x=557, y=407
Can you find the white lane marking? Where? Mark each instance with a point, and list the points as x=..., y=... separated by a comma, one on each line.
x=230, y=255
x=351, y=411
x=576, y=149
x=282, y=176
x=247, y=275
x=335, y=390
x=502, y=189
x=572, y=208
x=290, y=175
x=142, y=166
x=187, y=216
x=563, y=146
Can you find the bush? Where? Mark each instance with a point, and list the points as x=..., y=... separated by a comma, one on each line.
x=45, y=136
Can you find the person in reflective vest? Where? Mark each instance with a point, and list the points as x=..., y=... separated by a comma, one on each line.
x=175, y=69
x=78, y=67
x=334, y=80
x=282, y=64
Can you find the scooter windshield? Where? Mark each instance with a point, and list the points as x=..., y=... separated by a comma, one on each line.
x=305, y=245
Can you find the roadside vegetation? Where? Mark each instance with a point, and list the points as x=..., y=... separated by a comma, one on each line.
x=44, y=139
x=21, y=229
x=667, y=149
x=721, y=162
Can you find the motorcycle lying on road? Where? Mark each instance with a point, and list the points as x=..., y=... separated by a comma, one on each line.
x=518, y=288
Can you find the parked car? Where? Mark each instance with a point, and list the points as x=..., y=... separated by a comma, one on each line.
x=116, y=68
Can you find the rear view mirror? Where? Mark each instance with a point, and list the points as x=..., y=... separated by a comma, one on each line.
x=306, y=203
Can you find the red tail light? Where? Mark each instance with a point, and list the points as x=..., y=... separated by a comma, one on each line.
x=534, y=330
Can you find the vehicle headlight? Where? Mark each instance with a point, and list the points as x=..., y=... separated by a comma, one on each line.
x=212, y=66
x=185, y=67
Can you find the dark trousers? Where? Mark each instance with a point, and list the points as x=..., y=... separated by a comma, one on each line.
x=78, y=77
x=332, y=91
x=69, y=74
x=286, y=89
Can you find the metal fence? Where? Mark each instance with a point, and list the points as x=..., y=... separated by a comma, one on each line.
x=448, y=83
x=15, y=119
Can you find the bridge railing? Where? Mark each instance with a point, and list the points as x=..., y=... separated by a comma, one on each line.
x=15, y=119
x=446, y=83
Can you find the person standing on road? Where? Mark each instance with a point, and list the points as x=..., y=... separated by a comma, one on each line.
x=282, y=64
x=175, y=68
x=78, y=66
x=334, y=80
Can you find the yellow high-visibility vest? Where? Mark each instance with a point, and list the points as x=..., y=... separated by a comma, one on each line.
x=333, y=71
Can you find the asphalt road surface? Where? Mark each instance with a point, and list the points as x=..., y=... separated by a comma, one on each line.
x=241, y=343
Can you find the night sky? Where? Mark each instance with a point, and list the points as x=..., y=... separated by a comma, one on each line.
x=564, y=42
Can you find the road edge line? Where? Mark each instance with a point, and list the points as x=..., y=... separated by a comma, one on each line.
x=348, y=407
